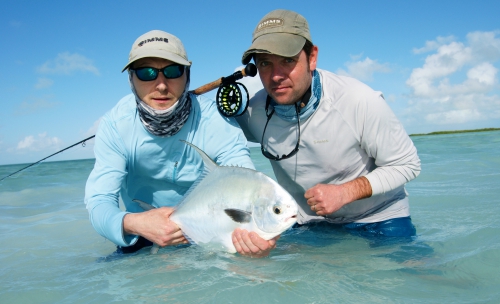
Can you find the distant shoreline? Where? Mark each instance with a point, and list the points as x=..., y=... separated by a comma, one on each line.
x=417, y=134
x=456, y=131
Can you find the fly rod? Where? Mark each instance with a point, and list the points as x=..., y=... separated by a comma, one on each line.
x=80, y=142
x=228, y=102
x=249, y=70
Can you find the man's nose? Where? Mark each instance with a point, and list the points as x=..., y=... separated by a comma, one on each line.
x=277, y=73
x=161, y=82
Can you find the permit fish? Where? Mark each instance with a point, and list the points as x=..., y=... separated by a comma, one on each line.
x=224, y=198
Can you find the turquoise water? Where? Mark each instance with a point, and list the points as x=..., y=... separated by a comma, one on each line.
x=51, y=254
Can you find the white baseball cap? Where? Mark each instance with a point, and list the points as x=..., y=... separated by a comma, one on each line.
x=158, y=44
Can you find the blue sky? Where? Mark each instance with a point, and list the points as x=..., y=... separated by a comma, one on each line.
x=437, y=62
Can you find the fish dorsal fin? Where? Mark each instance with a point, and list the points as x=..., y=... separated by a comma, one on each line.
x=209, y=164
x=144, y=205
x=238, y=215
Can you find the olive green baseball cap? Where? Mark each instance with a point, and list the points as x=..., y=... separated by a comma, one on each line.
x=280, y=32
x=158, y=44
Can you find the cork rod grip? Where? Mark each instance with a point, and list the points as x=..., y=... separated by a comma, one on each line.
x=249, y=70
x=208, y=87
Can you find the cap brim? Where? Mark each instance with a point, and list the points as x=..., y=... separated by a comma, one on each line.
x=281, y=44
x=158, y=54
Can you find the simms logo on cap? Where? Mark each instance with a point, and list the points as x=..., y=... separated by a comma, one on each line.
x=153, y=40
x=271, y=22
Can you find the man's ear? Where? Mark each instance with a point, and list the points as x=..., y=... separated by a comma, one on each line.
x=313, y=58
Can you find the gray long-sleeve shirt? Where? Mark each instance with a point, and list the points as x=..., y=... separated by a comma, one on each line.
x=352, y=133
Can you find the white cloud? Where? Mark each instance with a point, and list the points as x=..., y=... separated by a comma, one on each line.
x=453, y=116
x=434, y=45
x=485, y=46
x=43, y=83
x=458, y=83
x=363, y=70
x=35, y=104
x=390, y=98
x=67, y=63
x=448, y=59
x=93, y=129
x=484, y=73
x=41, y=142
x=356, y=57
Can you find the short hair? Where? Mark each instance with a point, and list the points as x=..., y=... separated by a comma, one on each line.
x=308, y=46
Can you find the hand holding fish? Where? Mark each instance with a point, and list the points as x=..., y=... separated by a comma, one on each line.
x=325, y=199
x=222, y=200
x=251, y=244
x=154, y=225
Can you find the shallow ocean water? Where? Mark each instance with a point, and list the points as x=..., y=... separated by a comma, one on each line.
x=51, y=254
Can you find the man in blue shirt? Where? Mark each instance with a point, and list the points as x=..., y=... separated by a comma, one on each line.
x=138, y=150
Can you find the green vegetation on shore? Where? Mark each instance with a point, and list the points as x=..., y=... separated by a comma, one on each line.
x=457, y=131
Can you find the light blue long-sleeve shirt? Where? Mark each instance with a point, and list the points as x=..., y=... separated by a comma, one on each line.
x=131, y=163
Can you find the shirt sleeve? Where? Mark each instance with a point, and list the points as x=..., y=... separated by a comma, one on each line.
x=104, y=183
x=244, y=119
x=226, y=138
x=385, y=140
x=235, y=152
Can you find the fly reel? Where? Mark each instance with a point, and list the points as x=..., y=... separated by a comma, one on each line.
x=230, y=101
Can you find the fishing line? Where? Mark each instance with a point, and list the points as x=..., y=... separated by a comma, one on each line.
x=80, y=142
x=230, y=102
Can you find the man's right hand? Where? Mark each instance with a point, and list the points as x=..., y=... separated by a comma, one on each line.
x=251, y=244
x=154, y=225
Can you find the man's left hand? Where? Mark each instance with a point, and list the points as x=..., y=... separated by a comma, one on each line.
x=325, y=199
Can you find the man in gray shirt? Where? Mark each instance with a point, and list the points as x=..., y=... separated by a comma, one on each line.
x=332, y=141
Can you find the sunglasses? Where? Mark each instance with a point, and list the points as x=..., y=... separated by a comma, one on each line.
x=149, y=74
x=284, y=156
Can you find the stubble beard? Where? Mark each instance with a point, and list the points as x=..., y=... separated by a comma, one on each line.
x=294, y=96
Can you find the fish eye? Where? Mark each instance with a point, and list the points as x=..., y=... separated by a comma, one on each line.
x=277, y=210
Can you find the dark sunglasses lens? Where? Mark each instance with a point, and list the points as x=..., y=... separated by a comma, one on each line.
x=276, y=157
x=268, y=155
x=291, y=153
x=173, y=71
x=146, y=74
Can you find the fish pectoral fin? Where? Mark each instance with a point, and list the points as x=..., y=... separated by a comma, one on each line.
x=144, y=205
x=238, y=215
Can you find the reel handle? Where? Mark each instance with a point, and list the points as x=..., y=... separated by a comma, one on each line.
x=249, y=70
